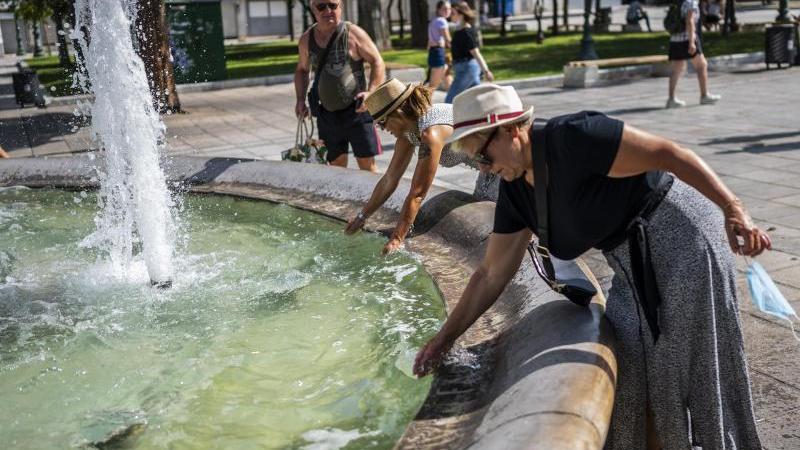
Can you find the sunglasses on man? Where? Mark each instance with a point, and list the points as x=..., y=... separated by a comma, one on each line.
x=321, y=7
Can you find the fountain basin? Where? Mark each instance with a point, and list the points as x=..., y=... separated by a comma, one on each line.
x=535, y=370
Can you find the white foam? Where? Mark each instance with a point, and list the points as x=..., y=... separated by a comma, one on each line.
x=133, y=193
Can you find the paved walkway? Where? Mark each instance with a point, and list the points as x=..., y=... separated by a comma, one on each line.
x=752, y=138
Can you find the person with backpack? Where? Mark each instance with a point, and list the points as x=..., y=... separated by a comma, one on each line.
x=683, y=24
x=337, y=51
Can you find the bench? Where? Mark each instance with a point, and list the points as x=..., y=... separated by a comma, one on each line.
x=581, y=74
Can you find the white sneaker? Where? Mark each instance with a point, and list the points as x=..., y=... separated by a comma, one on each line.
x=673, y=102
x=709, y=99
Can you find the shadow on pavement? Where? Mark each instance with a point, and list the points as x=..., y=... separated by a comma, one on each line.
x=32, y=131
x=751, y=138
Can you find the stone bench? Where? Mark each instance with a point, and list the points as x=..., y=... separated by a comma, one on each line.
x=581, y=74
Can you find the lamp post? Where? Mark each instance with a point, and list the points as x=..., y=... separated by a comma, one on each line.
x=783, y=12
x=18, y=32
x=587, y=43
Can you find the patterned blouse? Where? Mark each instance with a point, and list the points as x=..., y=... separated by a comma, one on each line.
x=486, y=187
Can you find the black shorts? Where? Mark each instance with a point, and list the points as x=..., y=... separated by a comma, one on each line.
x=339, y=129
x=679, y=51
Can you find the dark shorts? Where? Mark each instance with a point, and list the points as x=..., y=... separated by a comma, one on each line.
x=338, y=129
x=436, y=57
x=679, y=51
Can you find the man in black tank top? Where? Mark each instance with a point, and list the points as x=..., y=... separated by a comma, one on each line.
x=342, y=119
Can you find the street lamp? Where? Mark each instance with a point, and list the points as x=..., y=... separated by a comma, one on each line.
x=783, y=12
x=587, y=43
x=20, y=48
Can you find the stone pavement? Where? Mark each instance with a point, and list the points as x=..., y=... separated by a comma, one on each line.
x=751, y=138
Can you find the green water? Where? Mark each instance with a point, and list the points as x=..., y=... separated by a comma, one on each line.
x=279, y=331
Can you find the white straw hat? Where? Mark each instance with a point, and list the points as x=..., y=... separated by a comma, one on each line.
x=486, y=106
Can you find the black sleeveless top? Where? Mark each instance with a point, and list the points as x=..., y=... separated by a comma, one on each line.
x=342, y=77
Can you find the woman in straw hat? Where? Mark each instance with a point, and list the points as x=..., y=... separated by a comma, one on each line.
x=406, y=111
x=662, y=218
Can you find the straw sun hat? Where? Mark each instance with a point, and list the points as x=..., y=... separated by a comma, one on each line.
x=388, y=97
x=486, y=106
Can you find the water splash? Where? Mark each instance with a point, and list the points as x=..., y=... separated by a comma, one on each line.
x=133, y=193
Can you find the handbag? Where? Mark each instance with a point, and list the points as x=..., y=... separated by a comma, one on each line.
x=578, y=290
x=313, y=93
x=306, y=148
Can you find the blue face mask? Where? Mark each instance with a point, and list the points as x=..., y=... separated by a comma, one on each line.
x=767, y=297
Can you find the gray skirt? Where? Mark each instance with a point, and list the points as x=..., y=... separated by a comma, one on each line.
x=695, y=377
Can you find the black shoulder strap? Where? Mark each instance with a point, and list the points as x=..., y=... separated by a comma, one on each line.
x=539, y=143
x=331, y=43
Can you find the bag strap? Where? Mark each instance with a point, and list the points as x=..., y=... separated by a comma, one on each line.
x=324, y=57
x=539, y=143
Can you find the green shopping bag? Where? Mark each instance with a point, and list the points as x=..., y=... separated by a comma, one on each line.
x=306, y=148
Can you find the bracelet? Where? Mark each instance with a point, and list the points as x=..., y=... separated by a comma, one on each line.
x=361, y=216
x=734, y=202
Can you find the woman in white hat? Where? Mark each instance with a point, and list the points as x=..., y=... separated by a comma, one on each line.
x=662, y=218
x=406, y=111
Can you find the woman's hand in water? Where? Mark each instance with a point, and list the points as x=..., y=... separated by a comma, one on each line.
x=356, y=223
x=430, y=356
x=392, y=245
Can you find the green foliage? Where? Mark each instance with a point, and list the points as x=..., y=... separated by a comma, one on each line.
x=34, y=10
x=515, y=56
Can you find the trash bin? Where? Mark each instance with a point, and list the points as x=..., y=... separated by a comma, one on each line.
x=27, y=88
x=780, y=45
x=196, y=40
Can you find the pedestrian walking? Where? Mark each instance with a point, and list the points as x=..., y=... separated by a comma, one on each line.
x=336, y=51
x=468, y=63
x=668, y=227
x=636, y=13
x=685, y=43
x=438, y=43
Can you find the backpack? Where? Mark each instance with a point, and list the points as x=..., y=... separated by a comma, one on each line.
x=674, y=22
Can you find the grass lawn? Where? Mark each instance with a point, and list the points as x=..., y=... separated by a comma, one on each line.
x=515, y=56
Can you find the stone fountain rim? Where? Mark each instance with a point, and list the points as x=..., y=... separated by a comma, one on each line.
x=499, y=403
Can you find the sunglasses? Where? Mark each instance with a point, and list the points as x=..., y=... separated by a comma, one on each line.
x=579, y=291
x=382, y=123
x=321, y=7
x=480, y=157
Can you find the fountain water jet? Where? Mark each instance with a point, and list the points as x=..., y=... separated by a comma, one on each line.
x=127, y=127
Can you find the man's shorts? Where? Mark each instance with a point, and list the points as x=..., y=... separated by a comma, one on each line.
x=338, y=129
x=679, y=50
x=436, y=57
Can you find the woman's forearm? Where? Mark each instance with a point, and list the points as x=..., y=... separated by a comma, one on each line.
x=481, y=62
x=407, y=216
x=692, y=170
x=383, y=190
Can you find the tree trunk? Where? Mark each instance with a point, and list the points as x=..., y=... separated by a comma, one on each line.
x=565, y=17
x=402, y=19
x=503, y=16
x=151, y=24
x=389, y=16
x=555, y=16
x=419, y=23
x=371, y=20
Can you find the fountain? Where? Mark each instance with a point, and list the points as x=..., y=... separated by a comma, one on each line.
x=133, y=191
x=279, y=331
